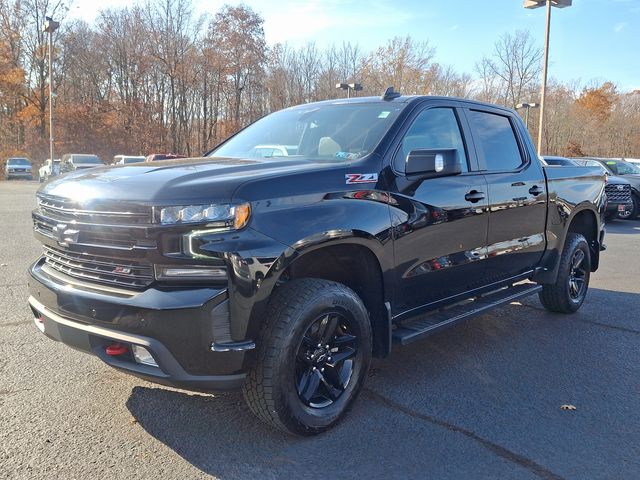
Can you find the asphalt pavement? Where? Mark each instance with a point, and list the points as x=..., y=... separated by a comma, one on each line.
x=481, y=400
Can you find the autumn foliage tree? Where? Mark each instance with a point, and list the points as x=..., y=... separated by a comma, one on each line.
x=155, y=77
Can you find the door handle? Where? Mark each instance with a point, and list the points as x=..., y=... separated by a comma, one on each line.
x=474, y=196
x=536, y=190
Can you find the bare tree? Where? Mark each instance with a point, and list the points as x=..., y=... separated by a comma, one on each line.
x=512, y=71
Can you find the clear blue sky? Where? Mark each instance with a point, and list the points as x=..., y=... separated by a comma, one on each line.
x=592, y=40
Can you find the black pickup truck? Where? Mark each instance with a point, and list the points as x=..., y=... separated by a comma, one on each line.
x=307, y=243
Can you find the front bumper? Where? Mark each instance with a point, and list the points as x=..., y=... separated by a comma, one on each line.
x=10, y=175
x=613, y=207
x=179, y=327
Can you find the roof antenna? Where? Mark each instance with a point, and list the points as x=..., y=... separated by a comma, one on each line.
x=390, y=94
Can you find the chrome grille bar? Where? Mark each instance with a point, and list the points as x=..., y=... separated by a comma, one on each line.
x=99, y=269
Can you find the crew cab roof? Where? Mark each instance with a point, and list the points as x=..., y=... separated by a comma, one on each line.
x=403, y=99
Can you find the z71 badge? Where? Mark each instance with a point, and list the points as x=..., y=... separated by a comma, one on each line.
x=352, y=178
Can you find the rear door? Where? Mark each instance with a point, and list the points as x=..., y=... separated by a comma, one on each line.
x=517, y=193
x=440, y=224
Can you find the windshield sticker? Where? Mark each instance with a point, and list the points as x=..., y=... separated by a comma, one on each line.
x=384, y=114
x=347, y=155
x=611, y=163
x=352, y=178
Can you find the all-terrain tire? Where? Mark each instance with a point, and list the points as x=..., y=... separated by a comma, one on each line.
x=574, y=270
x=271, y=390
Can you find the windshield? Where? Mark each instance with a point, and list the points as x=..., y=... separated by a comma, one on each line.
x=132, y=159
x=346, y=132
x=592, y=163
x=87, y=159
x=624, y=168
x=19, y=161
x=558, y=161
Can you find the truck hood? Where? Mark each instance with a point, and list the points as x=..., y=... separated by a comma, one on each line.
x=183, y=181
x=634, y=180
x=616, y=180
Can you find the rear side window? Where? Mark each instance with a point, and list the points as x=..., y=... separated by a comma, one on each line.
x=433, y=129
x=495, y=141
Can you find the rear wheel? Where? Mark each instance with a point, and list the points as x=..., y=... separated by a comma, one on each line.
x=313, y=356
x=570, y=289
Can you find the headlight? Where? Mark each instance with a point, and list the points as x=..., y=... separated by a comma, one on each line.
x=11, y=170
x=236, y=216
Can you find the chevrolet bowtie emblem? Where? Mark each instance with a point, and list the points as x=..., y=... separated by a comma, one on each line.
x=65, y=235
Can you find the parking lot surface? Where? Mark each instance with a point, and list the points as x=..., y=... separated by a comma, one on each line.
x=481, y=400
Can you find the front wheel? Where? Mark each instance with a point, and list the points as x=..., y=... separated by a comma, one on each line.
x=570, y=289
x=633, y=212
x=313, y=356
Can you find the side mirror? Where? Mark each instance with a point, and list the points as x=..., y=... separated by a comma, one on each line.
x=432, y=163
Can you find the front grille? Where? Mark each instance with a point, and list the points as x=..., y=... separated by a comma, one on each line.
x=106, y=213
x=615, y=194
x=99, y=269
x=103, y=225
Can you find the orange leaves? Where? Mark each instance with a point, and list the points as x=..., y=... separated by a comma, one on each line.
x=599, y=101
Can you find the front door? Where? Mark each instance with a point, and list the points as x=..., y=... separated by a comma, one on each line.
x=440, y=224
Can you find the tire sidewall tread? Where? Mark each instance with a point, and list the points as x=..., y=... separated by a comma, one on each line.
x=555, y=297
x=269, y=391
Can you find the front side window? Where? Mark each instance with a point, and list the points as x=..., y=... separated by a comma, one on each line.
x=495, y=141
x=435, y=128
x=334, y=131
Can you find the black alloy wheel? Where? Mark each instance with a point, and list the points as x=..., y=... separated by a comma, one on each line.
x=567, y=294
x=577, y=275
x=312, y=357
x=325, y=360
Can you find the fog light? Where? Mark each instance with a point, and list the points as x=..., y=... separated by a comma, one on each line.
x=143, y=356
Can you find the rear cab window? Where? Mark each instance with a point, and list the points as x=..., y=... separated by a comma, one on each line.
x=495, y=141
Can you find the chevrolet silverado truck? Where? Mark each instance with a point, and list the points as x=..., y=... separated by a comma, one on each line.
x=389, y=219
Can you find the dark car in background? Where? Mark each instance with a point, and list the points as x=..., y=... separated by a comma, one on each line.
x=631, y=173
x=18, y=167
x=559, y=161
x=623, y=194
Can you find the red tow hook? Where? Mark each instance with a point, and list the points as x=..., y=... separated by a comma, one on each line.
x=116, y=349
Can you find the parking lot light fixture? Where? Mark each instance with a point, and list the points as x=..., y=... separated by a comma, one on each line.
x=532, y=4
x=349, y=87
x=527, y=106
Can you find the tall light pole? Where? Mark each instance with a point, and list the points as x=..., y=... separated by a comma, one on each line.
x=528, y=106
x=50, y=26
x=531, y=4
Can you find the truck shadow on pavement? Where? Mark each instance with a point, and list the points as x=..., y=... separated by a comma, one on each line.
x=482, y=397
x=623, y=227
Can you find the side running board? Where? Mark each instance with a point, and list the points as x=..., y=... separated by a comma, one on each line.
x=424, y=325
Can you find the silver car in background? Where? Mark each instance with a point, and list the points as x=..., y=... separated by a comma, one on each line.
x=18, y=167
x=80, y=161
x=127, y=159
